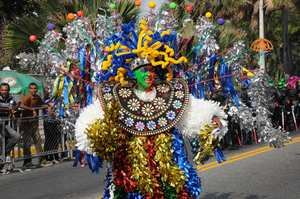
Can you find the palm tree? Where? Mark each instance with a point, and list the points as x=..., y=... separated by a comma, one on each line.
x=16, y=33
x=240, y=12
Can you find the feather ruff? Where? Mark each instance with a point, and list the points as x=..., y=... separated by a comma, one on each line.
x=198, y=114
x=88, y=115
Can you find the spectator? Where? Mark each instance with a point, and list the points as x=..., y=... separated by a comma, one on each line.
x=288, y=116
x=297, y=108
x=7, y=109
x=30, y=103
x=52, y=131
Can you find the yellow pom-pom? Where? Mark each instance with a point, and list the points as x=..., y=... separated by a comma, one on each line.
x=152, y=4
x=208, y=14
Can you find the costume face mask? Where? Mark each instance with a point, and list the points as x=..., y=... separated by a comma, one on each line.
x=144, y=78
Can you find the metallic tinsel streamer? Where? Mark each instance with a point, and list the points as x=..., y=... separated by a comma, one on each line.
x=104, y=134
x=137, y=155
x=170, y=173
x=260, y=93
x=207, y=144
x=192, y=182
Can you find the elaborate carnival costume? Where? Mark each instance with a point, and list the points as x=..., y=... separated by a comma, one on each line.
x=138, y=127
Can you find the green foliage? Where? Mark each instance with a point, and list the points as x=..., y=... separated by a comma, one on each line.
x=128, y=10
x=228, y=34
x=89, y=7
x=17, y=31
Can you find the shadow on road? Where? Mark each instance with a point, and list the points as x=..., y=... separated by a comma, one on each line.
x=231, y=195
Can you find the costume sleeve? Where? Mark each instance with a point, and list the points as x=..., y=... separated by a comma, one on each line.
x=198, y=114
x=89, y=115
x=202, y=134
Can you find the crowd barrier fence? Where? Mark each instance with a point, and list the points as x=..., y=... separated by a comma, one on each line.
x=42, y=137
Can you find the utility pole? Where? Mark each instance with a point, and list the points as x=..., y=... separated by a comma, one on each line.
x=262, y=62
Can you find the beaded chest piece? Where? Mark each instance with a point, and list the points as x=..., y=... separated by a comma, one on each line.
x=148, y=117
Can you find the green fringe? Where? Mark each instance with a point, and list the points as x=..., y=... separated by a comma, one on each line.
x=120, y=193
x=169, y=192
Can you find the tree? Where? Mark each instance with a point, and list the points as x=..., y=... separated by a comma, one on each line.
x=16, y=32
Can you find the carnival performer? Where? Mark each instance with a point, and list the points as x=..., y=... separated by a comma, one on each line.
x=142, y=114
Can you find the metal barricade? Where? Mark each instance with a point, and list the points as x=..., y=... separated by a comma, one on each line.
x=39, y=138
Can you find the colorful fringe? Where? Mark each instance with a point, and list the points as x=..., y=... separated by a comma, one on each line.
x=192, y=182
x=154, y=167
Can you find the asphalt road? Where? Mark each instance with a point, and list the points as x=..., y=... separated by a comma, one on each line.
x=269, y=175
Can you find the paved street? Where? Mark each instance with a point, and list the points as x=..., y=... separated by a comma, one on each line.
x=266, y=175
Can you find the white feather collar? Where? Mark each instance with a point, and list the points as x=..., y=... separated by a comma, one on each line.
x=146, y=96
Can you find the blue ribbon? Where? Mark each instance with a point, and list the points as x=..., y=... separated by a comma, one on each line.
x=227, y=83
x=89, y=91
x=93, y=55
x=246, y=83
x=170, y=40
x=66, y=90
x=199, y=89
x=134, y=195
x=82, y=58
x=219, y=155
x=193, y=182
x=61, y=111
x=77, y=157
x=108, y=182
x=211, y=70
x=94, y=162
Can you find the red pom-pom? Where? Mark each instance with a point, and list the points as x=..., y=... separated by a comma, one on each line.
x=189, y=8
x=80, y=13
x=32, y=38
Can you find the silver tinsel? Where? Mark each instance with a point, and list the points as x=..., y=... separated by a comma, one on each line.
x=79, y=33
x=235, y=56
x=205, y=31
x=166, y=20
x=261, y=98
x=29, y=62
x=47, y=58
x=116, y=22
x=242, y=115
x=103, y=27
x=49, y=52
